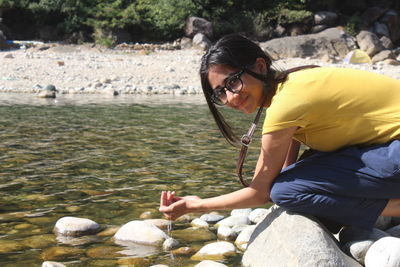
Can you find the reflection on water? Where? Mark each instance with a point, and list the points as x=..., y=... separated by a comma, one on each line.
x=106, y=159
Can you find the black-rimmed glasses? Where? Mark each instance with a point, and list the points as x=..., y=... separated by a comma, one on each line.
x=233, y=83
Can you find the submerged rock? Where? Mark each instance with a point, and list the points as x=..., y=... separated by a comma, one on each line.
x=61, y=253
x=193, y=234
x=73, y=226
x=208, y=263
x=142, y=233
x=52, y=264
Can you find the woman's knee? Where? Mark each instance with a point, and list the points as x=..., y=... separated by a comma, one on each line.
x=282, y=194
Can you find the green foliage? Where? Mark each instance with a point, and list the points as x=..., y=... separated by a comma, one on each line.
x=352, y=25
x=294, y=16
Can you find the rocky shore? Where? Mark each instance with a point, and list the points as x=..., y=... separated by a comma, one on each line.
x=85, y=69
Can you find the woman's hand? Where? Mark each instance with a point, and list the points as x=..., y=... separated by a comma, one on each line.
x=173, y=207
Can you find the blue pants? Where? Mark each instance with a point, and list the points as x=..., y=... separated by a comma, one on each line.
x=350, y=186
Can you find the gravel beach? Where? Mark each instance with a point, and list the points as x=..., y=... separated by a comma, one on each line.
x=86, y=69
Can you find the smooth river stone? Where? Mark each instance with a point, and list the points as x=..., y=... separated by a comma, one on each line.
x=243, y=212
x=257, y=215
x=109, y=231
x=358, y=249
x=199, y=223
x=52, y=264
x=226, y=233
x=384, y=252
x=234, y=220
x=104, y=252
x=184, y=251
x=192, y=234
x=73, y=226
x=142, y=233
x=215, y=251
x=208, y=263
x=243, y=238
x=170, y=243
x=39, y=241
x=211, y=218
x=78, y=241
x=61, y=253
x=7, y=246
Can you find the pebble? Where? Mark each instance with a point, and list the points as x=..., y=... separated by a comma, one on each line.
x=209, y=263
x=199, y=223
x=142, y=233
x=234, y=220
x=170, y=243
x=226, y=233
x=243, y=238
x=211, y=218
x=52, y=264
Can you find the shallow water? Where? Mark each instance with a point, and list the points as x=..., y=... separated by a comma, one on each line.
x=106, y=159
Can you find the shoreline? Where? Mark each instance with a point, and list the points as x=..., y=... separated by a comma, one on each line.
x=82, y=69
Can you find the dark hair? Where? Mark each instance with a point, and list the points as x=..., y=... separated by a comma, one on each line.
x=238, y=52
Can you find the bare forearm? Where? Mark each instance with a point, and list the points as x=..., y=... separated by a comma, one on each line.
x=243, y=198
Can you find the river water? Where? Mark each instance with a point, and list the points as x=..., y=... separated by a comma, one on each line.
x=106, y=159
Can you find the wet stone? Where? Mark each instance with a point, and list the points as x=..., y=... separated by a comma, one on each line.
x=11, y=186
x=199, y=223
x=104, y=252
x=39, y=241
x=77, y=241
x=212, y=218
x=160, y=223
x=184, y=251
x=215, y=251
x=142, y=233
x=61, y=253
x=193, y=234
x=109, y=231
x=208, y=263
x=52, y=264
x=73, y=226
x=7, y=246
x=170, y=243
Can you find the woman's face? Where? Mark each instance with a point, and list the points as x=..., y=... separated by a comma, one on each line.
x=251, y=95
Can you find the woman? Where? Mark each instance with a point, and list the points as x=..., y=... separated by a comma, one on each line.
x=349, y=118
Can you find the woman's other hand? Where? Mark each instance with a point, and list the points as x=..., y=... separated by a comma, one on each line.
x=173, y=207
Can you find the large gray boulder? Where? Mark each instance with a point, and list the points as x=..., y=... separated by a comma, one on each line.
x=331, y=41
x=195, y=25
x=369, y=43
x=290, y=239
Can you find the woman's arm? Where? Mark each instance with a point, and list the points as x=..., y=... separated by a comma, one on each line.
x=292, y=154
x=273, y=153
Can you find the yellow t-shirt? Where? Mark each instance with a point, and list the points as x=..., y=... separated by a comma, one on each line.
x=336, y=107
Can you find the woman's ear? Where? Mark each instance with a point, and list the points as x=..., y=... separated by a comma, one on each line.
x=261, y=66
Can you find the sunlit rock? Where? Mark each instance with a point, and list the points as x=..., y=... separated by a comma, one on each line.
x=243, y=238
x=199, y=223
x=211, y=218
x=234, y=220
x=384, y=252
x=52, y=264
x=215, y=251
x=170, y=243
x=73, y=226
x=258, y=215
x=226, y=233
x=142, y=233
x=358, y=249
x=134, y=261
x=244, y=212
x=208, y=263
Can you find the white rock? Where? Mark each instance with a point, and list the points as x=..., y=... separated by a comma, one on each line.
x=244, y=212
x=257, y=215
x=234, y=220
x=170, y=243
x=142, y=233
x=226, y=233
x=221, y=248
x=243, y=238
x=211, y=218
x=384, y=252
x=209, y=263
x=52, y=264
x=358, y=249
x=199, y=223
x=73, y=226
